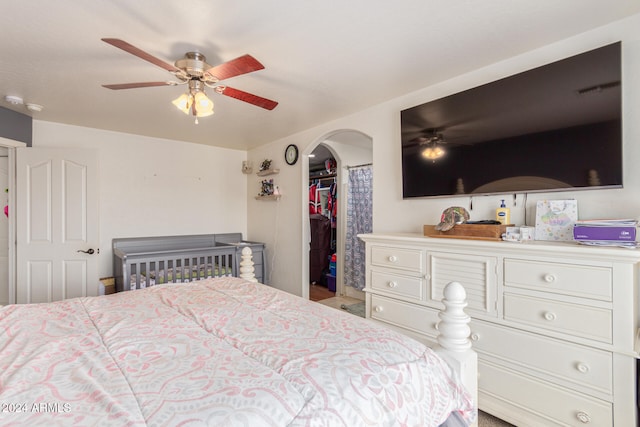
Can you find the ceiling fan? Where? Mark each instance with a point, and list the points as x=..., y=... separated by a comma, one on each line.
x=429, y=136
x=193, y=70
x=432, y=140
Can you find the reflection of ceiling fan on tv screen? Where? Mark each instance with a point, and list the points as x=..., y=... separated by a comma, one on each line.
x=556, y=127
x=193, y=71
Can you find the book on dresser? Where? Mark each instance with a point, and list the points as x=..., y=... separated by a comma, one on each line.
x=615, y=232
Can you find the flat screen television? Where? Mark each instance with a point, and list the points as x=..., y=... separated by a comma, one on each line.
x=557, y=127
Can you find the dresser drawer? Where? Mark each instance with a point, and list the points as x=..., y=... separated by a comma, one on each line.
x=549, y=404
x=568, y=279
x=579, y=366
x=399, y=258
x=574, y=319
x=406, y=315
x=406, y=286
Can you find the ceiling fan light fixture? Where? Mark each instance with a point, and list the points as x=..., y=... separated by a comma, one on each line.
x=203, y=105
x=433, y=152
x=183, y=102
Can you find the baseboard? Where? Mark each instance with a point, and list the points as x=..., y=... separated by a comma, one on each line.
x=348, y=291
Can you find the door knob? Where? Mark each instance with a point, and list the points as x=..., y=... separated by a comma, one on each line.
x=88, y=251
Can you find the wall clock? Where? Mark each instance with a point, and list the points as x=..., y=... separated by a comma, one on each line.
x=291, y=154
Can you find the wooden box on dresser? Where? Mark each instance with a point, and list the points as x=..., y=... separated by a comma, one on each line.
x=554, y=324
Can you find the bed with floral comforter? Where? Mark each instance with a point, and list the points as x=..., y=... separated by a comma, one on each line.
x=217, y=352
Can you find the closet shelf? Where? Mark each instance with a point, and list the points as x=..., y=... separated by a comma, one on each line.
x=320, y=177
x=268, y=172
x=269, y=197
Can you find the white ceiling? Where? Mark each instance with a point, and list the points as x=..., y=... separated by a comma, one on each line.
x=323, y=59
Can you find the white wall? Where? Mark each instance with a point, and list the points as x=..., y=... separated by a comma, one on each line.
x=351, y=155
x=280, y=224
x=156, y=187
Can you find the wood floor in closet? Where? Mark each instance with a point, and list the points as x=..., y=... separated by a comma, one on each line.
x=319, y=292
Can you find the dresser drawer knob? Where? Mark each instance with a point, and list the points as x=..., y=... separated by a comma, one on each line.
x=378, y=309
x=392, y=284
x=583, y=368
x=475, y=336
x=583, y=417
x=392, y=258
x=550, y=316
x=550, y=278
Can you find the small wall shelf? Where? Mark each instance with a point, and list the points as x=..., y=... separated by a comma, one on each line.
x=269, y=197
x=268, y=186
x=268, y=172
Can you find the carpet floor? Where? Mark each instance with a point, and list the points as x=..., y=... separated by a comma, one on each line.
x=357, y=308
x=488, y=420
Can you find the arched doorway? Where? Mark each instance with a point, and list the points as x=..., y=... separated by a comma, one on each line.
x=348, y=148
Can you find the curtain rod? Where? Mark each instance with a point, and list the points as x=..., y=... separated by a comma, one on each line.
x=360, y=166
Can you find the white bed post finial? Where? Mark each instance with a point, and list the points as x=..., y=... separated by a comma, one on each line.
x=454, y=345
x=246, y=265
x=454, y=322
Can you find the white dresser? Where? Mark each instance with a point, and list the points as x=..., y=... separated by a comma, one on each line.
x=554, y=324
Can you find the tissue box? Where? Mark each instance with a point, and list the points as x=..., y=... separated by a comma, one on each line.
x=519, y=234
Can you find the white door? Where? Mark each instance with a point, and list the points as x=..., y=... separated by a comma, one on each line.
x=4, y=227
x=57, y=224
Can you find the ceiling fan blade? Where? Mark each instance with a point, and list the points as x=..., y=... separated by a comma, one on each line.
x=241, y=65
x=137, y=85
x=247, y=97
x=121, y=44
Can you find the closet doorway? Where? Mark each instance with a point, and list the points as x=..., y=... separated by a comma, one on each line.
x=323, y=223
x=329, y=168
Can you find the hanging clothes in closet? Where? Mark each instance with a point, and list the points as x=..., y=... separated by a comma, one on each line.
x=320, y=248
x=315, y=205
x=332, y=203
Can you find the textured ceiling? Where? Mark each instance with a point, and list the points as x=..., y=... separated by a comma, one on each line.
x=323, y=60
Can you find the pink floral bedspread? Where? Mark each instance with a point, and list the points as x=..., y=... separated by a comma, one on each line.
x=219, y=352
